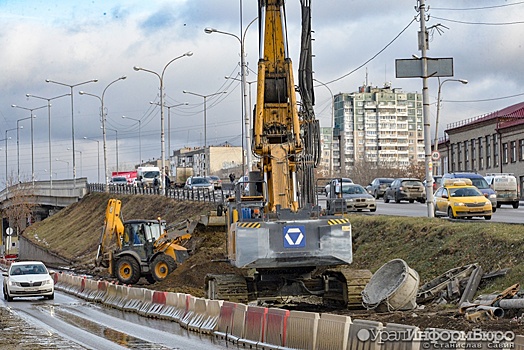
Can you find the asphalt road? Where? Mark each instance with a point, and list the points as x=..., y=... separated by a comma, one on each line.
x=68, y=322
x=505, y=213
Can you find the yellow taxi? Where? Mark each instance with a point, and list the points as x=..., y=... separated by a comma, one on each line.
x=458, y=198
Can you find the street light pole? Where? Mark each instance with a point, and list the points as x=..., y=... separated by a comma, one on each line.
x=116, y=137
x=18, y=127
x=5, y=139
x=32, y=139
x=64, y=161
x=98, y=161
x=81, y=160
x=72, y=119
x=243, y=74
x=49, y=133
x=463, y=81
x=162, y=126
x=139, y=140
x=332, y=127
x=205, y=121
x=103, y=116
x=169, y=120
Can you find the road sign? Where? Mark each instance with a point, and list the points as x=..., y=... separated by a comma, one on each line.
x=412, y=68
x=9, y=231
x=435, y=155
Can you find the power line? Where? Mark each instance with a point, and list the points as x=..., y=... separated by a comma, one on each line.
x=478, y=23
x=374, y=56
x=486, y=99
x=476, y=8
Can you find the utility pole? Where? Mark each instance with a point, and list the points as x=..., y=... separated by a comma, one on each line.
x=423, y=40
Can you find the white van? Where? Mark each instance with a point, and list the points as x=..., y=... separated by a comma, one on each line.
x=146, y=175
x=506, y=187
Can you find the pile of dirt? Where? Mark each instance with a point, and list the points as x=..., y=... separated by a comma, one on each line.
x=429, y=246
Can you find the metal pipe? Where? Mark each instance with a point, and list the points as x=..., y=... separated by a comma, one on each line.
x=492, y=310
x=511, y=303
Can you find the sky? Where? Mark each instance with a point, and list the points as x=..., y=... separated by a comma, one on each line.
x=355, y=41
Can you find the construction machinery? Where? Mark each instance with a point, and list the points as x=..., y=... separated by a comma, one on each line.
x=276, y=233
x=138, y=248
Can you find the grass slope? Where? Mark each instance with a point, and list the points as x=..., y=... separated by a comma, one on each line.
x=430, y=246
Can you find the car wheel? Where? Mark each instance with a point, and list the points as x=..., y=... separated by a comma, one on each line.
x=498, y=205
x=6, y=296
x=51, y=297
x=487, y=217
x=397, y=200
x=386, y=198
x=373, y=210
x=435, y=214
x=494, y=209
x=450, y=214
x=515, y=205
x=411, y=201
x=376, y=195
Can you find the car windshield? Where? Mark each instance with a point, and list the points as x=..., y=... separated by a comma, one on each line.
x=465, y=192
x=385, y=181
x=480, y=183
x=119, y=179
x=151, y=174
x=29, y=269
x=199, y=180
x=353, y=190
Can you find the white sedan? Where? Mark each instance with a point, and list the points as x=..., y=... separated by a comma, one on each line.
x=28, y=279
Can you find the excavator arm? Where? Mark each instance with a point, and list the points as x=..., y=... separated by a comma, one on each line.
x=112, y=233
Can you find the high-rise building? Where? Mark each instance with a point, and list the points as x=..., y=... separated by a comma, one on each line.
x=378, y=126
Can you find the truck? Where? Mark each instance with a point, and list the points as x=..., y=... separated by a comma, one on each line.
x=129, y=175
x=146, y=175
x=506, y=187
x=138, y=248
x=181, y=175
x=276, y=233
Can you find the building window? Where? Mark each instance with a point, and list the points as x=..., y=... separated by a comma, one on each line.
x=521, y=149
x=481, y=155
x=459, y=157
x=513, y=151
x=473, y=155
x=488, y=153
x=466, y=156
x=495, y=151
x=505, y=153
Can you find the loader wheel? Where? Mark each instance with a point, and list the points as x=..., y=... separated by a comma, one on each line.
x=127, y=270
x=162, y=266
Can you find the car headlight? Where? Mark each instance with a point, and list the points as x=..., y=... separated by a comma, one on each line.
x=492, y=196
x=349, y=200
x=47, y=282
x=458, y=204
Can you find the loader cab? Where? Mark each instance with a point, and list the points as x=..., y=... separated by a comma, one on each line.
x=140, y=235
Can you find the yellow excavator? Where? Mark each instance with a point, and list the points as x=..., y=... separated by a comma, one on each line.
x=277, y=233
x=138, y=248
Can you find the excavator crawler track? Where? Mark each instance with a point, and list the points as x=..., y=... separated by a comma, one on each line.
x=345, y=286
x=228, y=287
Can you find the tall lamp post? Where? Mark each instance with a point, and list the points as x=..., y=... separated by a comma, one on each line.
x=439, y=101
x=49, y=133
x=103, y=116
x=98, y=159
x=64, y=161
x=139, y=140
x=5, y=139
x=332, y=127
x=32, y=139
x=162, y=124
x=71, y=86
x=81, y=160
x=169, y=120
x=205, y=120
x=18, y=127
x=243, y=74
x=116, y=138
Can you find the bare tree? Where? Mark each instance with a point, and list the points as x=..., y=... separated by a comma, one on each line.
x=20, y=204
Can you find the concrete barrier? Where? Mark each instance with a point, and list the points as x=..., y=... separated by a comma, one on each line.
x=190, y=311
x=333, y=332
x=102, y=288
x=403, y=340
x=302, y=330
x=275, y=329
x=110, y=296
x=518, y=342
x=239, y=323
x=147, y=302
x=199, y=316
x=158, y=304
x=171, y=305
x=225, y=320
x=255, y=324
x=361, y=335
x=121, y=296
x=135, y=299
x=210, y=324
x=91, y=287
x=182, y=307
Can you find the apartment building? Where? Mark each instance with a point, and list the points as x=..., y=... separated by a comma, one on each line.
x=491, y=143
x=213, y=160
x=378, y=125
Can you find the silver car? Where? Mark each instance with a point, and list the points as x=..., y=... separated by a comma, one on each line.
x=355, y=196
x=28, y=279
